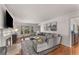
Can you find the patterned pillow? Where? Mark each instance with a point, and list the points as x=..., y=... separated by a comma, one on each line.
x=39, y=40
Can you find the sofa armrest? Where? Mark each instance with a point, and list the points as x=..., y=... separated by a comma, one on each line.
x=34, y=44
x=39, y=47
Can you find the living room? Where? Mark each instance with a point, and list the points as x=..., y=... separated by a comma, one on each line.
x=38, y=29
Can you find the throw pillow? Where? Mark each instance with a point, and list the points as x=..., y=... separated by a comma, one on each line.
x=39, y=40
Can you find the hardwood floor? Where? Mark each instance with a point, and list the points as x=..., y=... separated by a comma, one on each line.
x=63, y=50
x=75, y=49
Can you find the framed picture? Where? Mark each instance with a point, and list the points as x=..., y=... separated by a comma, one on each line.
x=51, y=26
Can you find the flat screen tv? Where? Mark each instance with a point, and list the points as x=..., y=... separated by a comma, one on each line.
x=8, y=20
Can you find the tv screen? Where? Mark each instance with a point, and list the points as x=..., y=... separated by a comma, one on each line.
x=8, y=20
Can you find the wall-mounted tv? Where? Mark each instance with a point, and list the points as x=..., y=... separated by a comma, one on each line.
x=8, y=20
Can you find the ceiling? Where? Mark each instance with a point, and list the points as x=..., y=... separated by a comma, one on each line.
x=39, y=12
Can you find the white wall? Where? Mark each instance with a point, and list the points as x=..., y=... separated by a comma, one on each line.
x=2, y=12
x=1, y=17
x=62, y=28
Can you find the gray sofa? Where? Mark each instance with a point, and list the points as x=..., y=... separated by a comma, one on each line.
x=49, y=43
x=31, y=47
